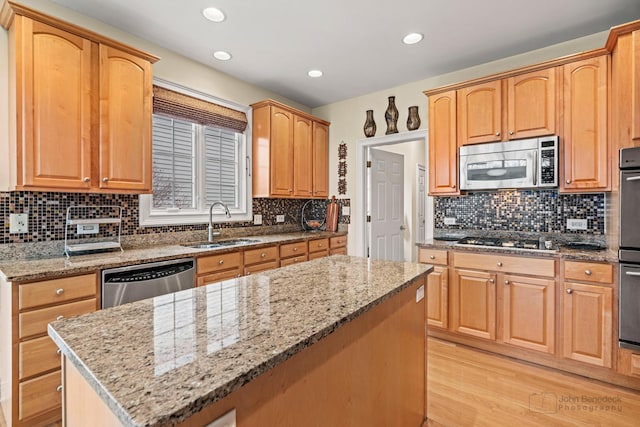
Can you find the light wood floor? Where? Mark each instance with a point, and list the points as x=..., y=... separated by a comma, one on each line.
x=467, y=387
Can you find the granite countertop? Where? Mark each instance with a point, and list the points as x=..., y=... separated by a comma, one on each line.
x=38, y=269
x=606, y=255
x=157, y=361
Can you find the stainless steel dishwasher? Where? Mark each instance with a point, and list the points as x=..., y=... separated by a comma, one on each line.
x=133, y=283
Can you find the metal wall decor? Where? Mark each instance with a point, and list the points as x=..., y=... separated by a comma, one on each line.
x=369, y=125
x=391, y=116
x=342, y=167
x=413, y=121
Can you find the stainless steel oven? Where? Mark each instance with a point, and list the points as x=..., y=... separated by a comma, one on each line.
x=629, y=254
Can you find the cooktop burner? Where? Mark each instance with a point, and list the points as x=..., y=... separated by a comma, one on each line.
x=500, y=243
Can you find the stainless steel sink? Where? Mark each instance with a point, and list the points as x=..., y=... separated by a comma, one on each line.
x=220, y=243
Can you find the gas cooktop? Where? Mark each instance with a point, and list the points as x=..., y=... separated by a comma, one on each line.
x=505, y=243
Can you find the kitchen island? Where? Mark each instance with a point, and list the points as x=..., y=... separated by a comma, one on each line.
x=335, y=341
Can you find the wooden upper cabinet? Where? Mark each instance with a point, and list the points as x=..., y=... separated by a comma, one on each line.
x=302, y=157
x=635, y=86
x=480, y=113
x=54, y=106
x=320, y=160
x=531, y=104
x=585, y=138
x=290, y=152
x=125, y=121
x=82, y=105
x=443, y=148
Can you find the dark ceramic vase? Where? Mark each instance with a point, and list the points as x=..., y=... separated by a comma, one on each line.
x=391, y=116
x=369, y=125
x=413, y=121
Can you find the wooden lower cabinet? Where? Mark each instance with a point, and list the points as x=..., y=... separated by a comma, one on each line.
x=293, y=253
x=262, y=259
x=587, y=323
x=338, y=245
x=473, y=303
x=437, y=297
x=529, y=312
x=218, y=267
x=318, y=248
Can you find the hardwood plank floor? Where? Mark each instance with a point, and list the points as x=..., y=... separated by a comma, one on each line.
x=467, y=387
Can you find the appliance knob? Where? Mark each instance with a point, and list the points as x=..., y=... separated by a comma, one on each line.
x=105, y=179
x=86, y=179
x=506, y=282
x=59, y=291
x=587, y=272
x=432, y=257
x=499, y=264
x=569, y=291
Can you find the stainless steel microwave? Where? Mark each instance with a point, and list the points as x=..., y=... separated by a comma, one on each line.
x=525, y=163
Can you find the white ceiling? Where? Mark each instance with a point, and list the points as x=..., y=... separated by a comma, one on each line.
x=357, y=43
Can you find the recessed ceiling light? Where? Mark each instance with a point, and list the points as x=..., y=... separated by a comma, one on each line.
x=412, y=38
x=213, y=14
x=222, y=55
x=314, y=73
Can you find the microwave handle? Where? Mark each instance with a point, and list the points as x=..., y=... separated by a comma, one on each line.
x=633, y=178
x=535, y=170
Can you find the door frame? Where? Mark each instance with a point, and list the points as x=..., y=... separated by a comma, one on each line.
x=359, y=211
x=423, y=201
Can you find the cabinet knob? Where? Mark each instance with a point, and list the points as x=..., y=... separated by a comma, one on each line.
x=453, y=186
x=510, y=132
x=105, y=179
x=295, y=249
x=587, y=272
x=492, y=281
x=59, y=291
x=86, y=179
x=58, y=352
x=568, y=181
x=319, y=245
x=221, y=262
x=569, y=291
x=506, y=282
x=432, y=257
x=499, y=264
x=60, y=317
x=262, y=255
x=497, y=133
x=238, y=275
x=59, y=388
x=248, y=273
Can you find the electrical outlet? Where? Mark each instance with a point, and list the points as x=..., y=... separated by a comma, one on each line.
x=18, y=223
x=279, y=218
x=346, y=210
x=88, y=228
x=576, y=224
x=449, y=221
x=257, y=220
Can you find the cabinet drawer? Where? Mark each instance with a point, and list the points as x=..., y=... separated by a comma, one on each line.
x=35, y=322
x=318, y=245
x=293, y=260
x=507, y=264
x=338, y=242
x=219, y=276
x=433, y=256
x=220, y=262
x=588, y=272
x=57, y=290
x=257, y=268
x=293, y=249
x=321, y=254
x=37, y=356
x=338, y=251
x=40, y=395
x=255, y=256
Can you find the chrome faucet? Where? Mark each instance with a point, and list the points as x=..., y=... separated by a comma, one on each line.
x=226, y=212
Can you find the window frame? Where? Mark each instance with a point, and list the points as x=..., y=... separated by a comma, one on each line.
x=148, y=217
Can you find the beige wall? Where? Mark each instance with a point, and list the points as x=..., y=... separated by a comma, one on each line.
x=347, y=117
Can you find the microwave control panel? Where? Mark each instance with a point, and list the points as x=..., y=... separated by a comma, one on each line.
x=548, y=163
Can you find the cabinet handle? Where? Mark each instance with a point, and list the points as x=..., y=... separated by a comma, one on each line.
x=105, y=179
x=221, y=262
x=492, y=281
x=262, y=255
x=506, y=282
x=432, y=257
x=60, y=317
x=499, y=264
x=568, y=181
x=497, y=133
x=587, y=272
x=59, y=291
x=569, y=291
x=59, y=388
x=86, y=179
x=510, y=132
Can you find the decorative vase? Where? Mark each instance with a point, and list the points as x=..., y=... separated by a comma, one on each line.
x=391, y=116
x=369, y=125
x=413, y=121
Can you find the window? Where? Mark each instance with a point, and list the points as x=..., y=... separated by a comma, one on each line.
x=195, y=163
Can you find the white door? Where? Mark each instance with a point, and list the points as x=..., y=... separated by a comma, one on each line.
x=386, y=205
x=422, y=198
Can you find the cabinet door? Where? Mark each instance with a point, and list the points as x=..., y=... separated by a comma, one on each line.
x=125, y=121
x=586, y=162
x=281, y=162
x=587, y=323
x=531, y=104
x=528, y=313
x=53, y=107
x=443, y=148
x=302, y=157
x=320, y=160
x=474, y=303
x=480, y=113
x=635, y=85
x=437, y=297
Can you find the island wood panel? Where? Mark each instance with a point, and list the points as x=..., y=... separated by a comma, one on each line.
x=371, y=371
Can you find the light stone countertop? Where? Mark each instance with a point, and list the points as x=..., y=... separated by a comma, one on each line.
x=39, y=269
x=156, y=362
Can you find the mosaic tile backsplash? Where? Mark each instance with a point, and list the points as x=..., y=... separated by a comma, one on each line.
x=544, y=211
x=47, y=213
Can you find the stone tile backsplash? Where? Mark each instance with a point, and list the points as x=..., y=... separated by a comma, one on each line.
x=47, y=213
x=543, y=211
